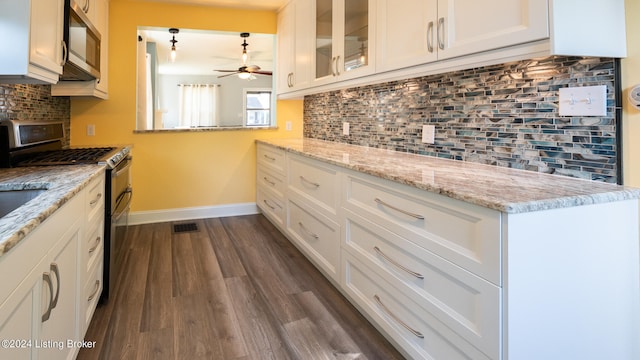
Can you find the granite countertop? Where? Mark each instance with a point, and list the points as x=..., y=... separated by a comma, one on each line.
x=499, y=188
x=61, y=182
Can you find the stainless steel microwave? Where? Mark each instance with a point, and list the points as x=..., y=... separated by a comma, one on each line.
x=82, y=45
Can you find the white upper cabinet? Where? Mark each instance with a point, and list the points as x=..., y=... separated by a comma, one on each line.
x=345, y=40
x=406, y=33
x=294, y=47
x=412, y=32
x=33, y=31
x=470, y=26
x=372, y=41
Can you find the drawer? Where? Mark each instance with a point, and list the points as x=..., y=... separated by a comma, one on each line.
x=91, y=293
x=465, y=234
x=271, y=157
x=94, y=242
x=318, y=236
x=464, y=302
x=416, y=330
x=95, y=199
x=315, y=182
x=272, y=206
x=270, y=180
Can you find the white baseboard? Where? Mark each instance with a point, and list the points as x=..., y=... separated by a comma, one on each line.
x=203, y=212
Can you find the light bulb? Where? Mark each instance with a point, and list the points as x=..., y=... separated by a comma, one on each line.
x=173, y=53
x=245, y=57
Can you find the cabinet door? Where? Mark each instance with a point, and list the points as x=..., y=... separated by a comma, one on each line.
x=286, y=38
x=470, y=26
x=47, y=17
x=344, y=38
x=16, y=319
x=406, y=33
x=62, y=323
x=324, y=57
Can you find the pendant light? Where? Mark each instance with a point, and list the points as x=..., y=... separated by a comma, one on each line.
x=245, y=55
x=173, y=42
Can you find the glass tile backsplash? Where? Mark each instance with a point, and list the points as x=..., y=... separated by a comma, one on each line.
x=504, y=115
x=34, y=102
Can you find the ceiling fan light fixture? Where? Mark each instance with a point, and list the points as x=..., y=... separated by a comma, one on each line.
x=244, y=75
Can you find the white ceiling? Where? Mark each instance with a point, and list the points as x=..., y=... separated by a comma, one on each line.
x=201, y=52
x=241, y=4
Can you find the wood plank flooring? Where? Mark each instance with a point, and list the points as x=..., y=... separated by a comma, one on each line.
x=235, y=289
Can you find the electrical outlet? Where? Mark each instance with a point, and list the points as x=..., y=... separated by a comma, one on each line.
x=288, y=125
x=345, y=128
x=91, y=130
x=429, y=134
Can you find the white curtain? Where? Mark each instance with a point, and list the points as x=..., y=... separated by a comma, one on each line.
x=198, y=105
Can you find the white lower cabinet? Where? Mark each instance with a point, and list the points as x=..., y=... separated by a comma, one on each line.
x=418, y=332
x=44, y=305
x=317, y=235
x=445, y=279
x=38, y=317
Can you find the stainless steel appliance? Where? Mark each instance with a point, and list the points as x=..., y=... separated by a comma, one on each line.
x=28, y=143
x=82, y=42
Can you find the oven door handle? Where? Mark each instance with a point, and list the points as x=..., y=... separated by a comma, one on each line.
x=128, y=192
x=121, y=169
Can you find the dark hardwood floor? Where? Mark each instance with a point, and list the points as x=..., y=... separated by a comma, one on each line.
x=235, y=289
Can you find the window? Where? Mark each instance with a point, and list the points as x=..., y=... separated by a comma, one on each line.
x=257, y=105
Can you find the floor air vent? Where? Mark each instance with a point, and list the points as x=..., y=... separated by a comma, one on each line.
x=186, y=227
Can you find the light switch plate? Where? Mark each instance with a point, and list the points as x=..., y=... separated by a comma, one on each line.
x=428, y=134
x=288, y=125
x=91, y=130
x=583, y=101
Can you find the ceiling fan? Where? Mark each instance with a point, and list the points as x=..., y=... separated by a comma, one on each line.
x=245, y=71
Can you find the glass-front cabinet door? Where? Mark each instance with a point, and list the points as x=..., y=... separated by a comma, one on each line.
x=344, y=39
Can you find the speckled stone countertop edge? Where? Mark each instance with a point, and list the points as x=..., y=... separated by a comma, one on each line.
x=62, y=184
x=611, y=192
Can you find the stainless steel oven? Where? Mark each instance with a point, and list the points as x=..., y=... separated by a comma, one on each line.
x=119, y=195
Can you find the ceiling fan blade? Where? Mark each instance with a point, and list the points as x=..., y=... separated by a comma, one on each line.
x=233, y=73
x=226, y=70
x=263, y=72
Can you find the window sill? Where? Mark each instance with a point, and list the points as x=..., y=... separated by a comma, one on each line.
x=206, y=129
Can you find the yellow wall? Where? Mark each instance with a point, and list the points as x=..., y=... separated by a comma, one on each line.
x=176, y=170
x=631, y=77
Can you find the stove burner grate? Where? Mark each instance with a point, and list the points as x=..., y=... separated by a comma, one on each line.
x=67, y=157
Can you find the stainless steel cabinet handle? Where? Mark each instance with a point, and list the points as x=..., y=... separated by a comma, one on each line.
x=272, y=183
x=55, y=270
x=418, y=275
x=47, y=279
x=95, y=201
x=269, y=205
x=338, y=65
x=269, y=157
x=441, y=33
x=413, y=215
x=309, y=181
x=304, y=228
x=98, y=239
x=65, y=53
x=394, y=317
x=95, y=291
x=333, y=66
x=430, y=37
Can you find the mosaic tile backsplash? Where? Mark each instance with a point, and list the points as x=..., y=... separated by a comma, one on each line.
x=504, y=115
x=34, y=102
